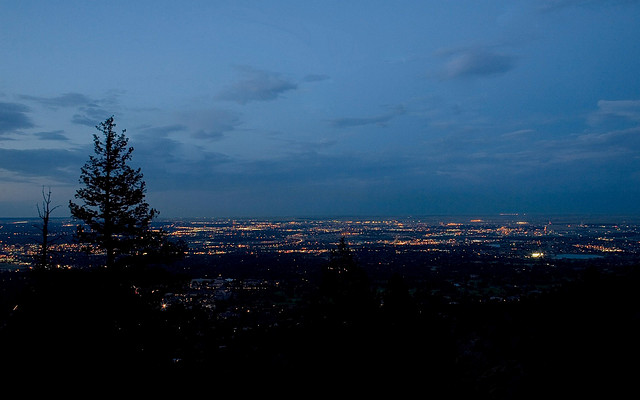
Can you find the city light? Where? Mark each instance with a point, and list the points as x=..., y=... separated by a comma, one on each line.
x=496, y=238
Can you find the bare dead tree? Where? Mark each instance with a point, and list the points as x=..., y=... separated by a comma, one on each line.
x=45, y=213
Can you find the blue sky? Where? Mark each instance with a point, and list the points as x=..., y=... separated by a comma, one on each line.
x=316, y=108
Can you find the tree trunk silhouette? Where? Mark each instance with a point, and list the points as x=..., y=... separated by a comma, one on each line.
x=45, y=214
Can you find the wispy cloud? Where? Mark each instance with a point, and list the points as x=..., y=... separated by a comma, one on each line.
x=57, y=135
x=90, y=115
x=518, y=133
x=81, y=119
x=381, y=120
x=64, y=100
x=476, y=62
x=628, y=139
x=88, y=111
x=163, y=131
x=209, y=124
x=626, y=109
x=256, y=85
x=13, y=116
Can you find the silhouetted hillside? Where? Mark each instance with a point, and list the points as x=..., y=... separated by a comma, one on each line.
x=580, y=338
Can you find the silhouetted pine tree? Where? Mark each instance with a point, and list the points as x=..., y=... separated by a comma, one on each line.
x=114, y=210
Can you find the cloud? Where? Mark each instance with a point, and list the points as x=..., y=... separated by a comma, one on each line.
x=214, y=124
x=539, y=156
x=476, y=62
x=211, y=124
x=156, y=152
x=163, y=131
x=308, y=146
x=59, y=164
x=90, y=115
x=65, y=100
x=320, y=170
x=90, y=112
x=518, y=133
x=627, y=139
x=83, y=120
x=256, y=85
x=381, y=120
x=169, y=164
x=626, y=109
x=13, y=116
x=52, y=135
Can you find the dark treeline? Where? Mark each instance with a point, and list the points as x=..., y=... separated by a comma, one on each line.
x=579, y=338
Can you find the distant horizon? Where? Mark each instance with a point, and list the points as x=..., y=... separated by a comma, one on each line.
x=471, y=217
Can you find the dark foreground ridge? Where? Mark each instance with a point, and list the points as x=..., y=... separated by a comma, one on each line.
x=580, y=337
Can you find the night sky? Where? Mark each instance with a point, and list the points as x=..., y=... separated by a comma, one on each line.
x=327, y=108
